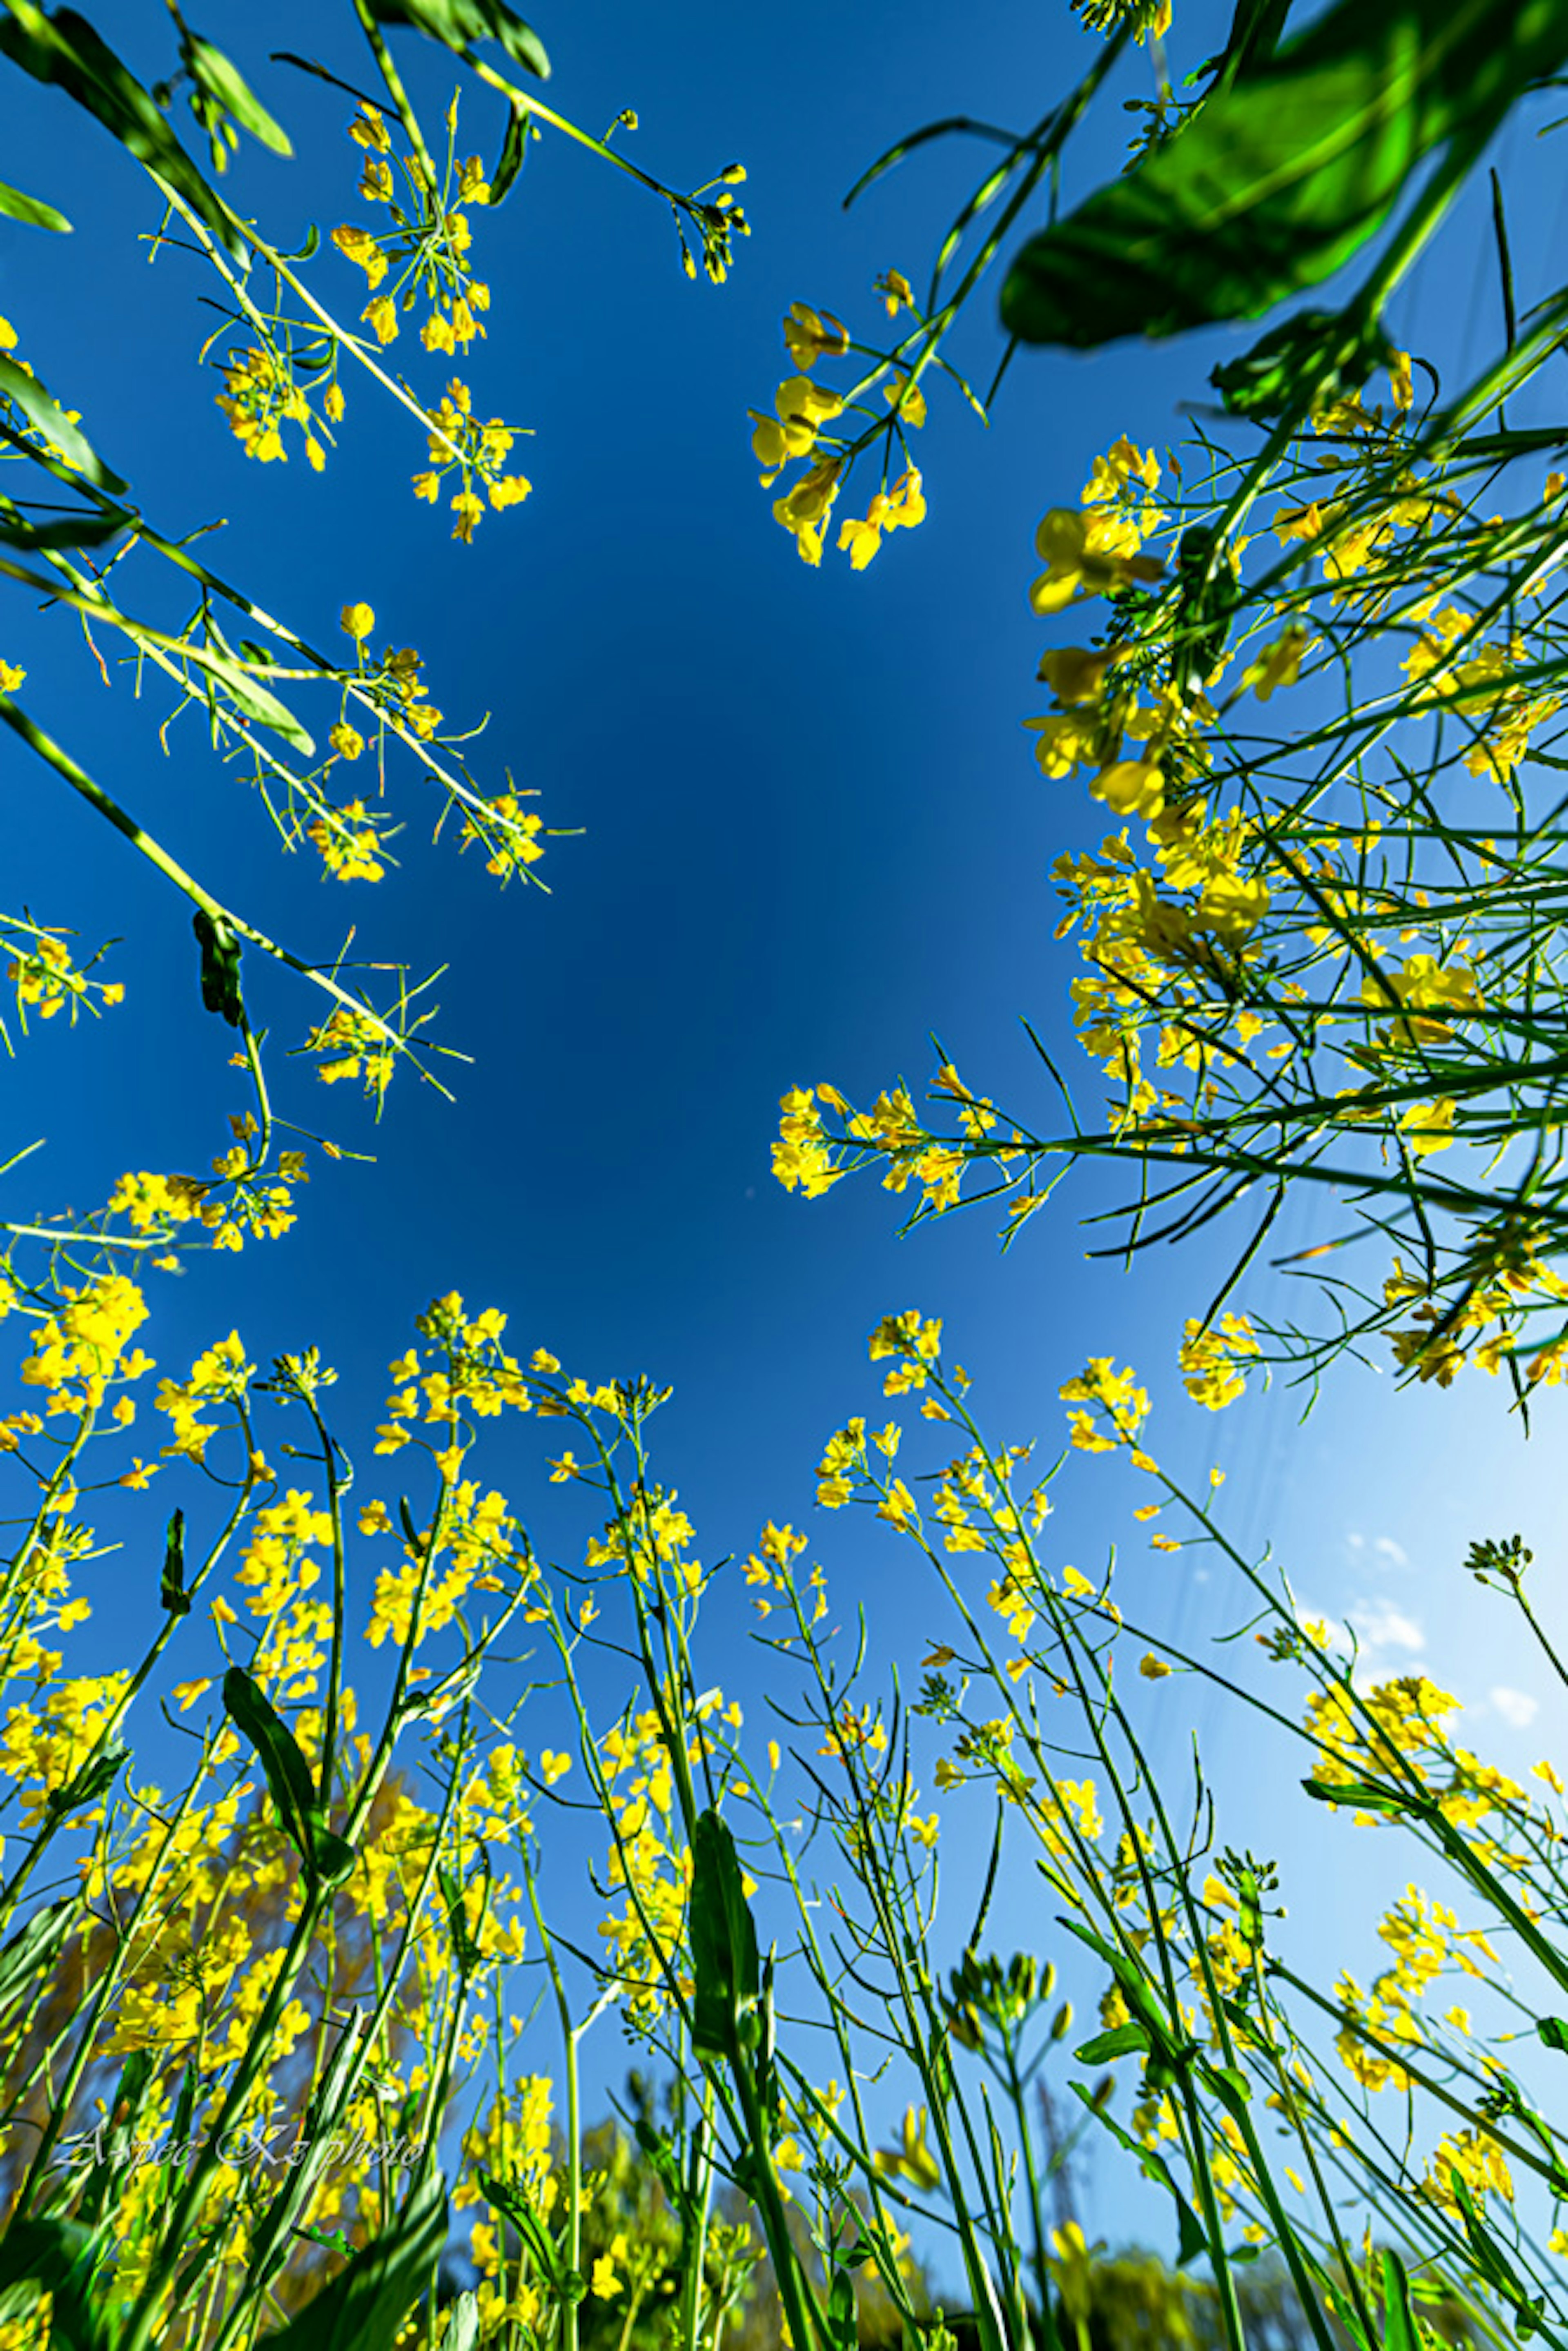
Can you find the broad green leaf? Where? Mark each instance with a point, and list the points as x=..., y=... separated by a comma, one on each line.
x=365, y=2304
x=325, y=1855
x=24, y=391
x=723, y=1943
x=1553, y=2031
x=65, y=49
x=1121, y=2040
x=221, y=79
x=33, y=210
x=842, y=2331
x=1278, y=180
x=457, y=24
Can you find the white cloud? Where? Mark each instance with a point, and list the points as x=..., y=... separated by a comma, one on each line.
x=1379, y=1624
x=1395, y=1553
x=1517, y=1708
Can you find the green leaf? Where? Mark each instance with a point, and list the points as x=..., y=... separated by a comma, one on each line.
x=1553, y=2031
x=81, y=529
x=1121, y=2040
x=1337, y=354
x=24, y=391
x=249, y=696
x=221, y=951
x=365, y=2304
x=59, y=2257
x=842, y=2331
x=1367, y=1795
x=1400, y=2331
x=32, y=1950
x=65, y=49
x=457, y=24
x=328, y=1858
x=723, y=1943
x=513, y=153
x=221, y=80
x=514, y=2204
x=172, y=1593
x=1278, y=180
x=33, y=210
x=94, y=1780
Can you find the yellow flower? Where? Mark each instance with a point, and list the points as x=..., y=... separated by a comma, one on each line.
x=1131, y=787
x=10, y=677
x=1082, y=558
x=812, y=335
x=357, y=245
x=380, y=316
x=356, y=621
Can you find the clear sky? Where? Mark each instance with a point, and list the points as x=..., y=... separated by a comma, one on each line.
x=813, y=833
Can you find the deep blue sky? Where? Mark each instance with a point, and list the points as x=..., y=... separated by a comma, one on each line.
x=813, y=832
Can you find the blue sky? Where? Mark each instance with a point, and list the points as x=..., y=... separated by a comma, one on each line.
x=812, y=834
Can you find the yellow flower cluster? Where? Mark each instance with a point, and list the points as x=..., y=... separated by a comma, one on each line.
x=41, y=970
x=425, y=246
x=1212, y=1357
x=457, y=440
x=793, y=433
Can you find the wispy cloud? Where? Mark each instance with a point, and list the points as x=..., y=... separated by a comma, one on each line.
x=1517, y=1708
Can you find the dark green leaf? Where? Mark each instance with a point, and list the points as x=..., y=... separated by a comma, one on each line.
x=94, y=1780
x=25, y=392
x=66, y=530
x=514, y=153
x=334, y=1857
x=221, y=80
x=172, y=1593
x=365, y=2304
x=220, y=966
x=1553, y=2031
x=61, y=2258
x=33, y=210
x=1278, y=180
x=287, y=1773
x=457, y=24
x=723, y=1943
x=65, y=49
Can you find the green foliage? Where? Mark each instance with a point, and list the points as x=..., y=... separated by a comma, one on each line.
x=1280, y=179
